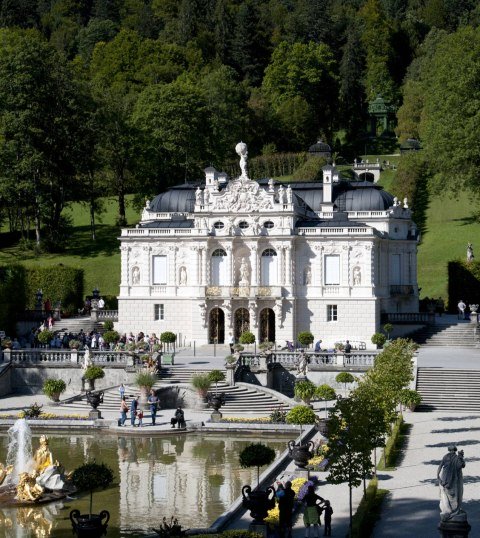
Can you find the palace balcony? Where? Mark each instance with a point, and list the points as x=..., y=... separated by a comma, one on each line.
x=240, y=292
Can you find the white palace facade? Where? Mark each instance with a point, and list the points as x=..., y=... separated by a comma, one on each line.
x=216, y=258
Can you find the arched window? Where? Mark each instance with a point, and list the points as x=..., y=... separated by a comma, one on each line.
x=219, y=268
x=218, y=225
x=269, y=267
x=268, y=224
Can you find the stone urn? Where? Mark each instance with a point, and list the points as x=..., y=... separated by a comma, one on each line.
x=259, y=502
x=89, y=525
x=215, y=401
x=300, y=453
x=94, y=398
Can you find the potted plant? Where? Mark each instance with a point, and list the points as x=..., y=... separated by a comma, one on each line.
x=230, y=361
x=111, y=338
x=301, y=415
x=45, y=337
x=388, y=328
x=216, y=400
x=238, y=348
x=247, y=338
x=92, y=373
x=326, y=393
x=346, y=378
x=266, y=347
x=257, y=501
x=410, y=398
x=379, y=340
x=52, y=388
x=168, y=338
x=90, y=477
x=108, y=325
x=74, y=344
x=201, y=383
x=145, y=382
x=7, y=343
x=305, y=391
x=305, y=338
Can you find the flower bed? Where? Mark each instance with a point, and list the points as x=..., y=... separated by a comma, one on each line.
x=44, y=416
x=246, y=420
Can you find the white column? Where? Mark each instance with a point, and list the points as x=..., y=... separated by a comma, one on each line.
x=196, y=266
x=288, y=266
x=254, y=261
x=229, y=251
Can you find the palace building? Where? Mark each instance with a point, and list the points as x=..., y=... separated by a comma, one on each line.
x=223, y=256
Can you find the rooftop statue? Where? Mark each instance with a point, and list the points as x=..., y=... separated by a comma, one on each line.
x=242, y=151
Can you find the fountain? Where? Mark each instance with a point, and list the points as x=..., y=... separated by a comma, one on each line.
x=30, y=479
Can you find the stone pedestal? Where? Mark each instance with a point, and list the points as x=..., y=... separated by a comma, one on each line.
x=454, y=529
x=216, y=416
x=94, y=414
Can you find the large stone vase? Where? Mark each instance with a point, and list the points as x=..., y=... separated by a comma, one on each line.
x=89, y=526
x=259, y=502
x=300, y=453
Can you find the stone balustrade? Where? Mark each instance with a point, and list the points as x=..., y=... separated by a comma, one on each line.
x=103, y=315
x=289, y=360
x=54, y=357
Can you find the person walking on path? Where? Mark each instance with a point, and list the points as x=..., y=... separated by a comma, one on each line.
x=348, y=348
x=328, y=511
x=121, y=391
x=123, y=411
x=311, y=515
x=285, y=508
x=153, y=401
x=133, y=410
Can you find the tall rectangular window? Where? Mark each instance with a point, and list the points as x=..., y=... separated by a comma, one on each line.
x=332, y=270
x=159, y=312
x=395, y=271
x=332, y=312
x=159, y=270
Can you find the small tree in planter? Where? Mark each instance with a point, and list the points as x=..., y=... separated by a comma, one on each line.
x=168, y=338
x=90, y=477
x=216, y=376
x=45, y=337
x=247, y=338
x=256, y=455
x=305, y=391
x=111, y=337
x=108, y=325
x=305, y=338
x=53, y=388
x=238, y=348
x=388, y=328
x=266, y=347
x=201, y=383
x=257, y=501
x=301, y=415
x=379, y=339
x=145, y=382
x=74, y=344
x=346, y=378
x=92, y=373
x=326, y=393
x=230, y=360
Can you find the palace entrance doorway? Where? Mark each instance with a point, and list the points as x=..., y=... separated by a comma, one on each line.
x=242, y=322
x=216, y=326
x=267, y=325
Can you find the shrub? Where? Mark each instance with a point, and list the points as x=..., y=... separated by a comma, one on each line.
x=144, y=379
x=410, y=398
x=305, y=338
x=92, y=476
x=305, y=390
x=74, y=344
x=201, y=382
x=379, y=339
x=45, y=337
x=388, y=328
x=230, y=359
x=238, y=347
x=247, y=338
x=325, y=392
x=345, y=378
x=311, y=169
x=34, y=411
x=54, y=387
x=12, y=295
x=266, y=346
x=108, y=325
x=301, y=415
x=94, y=372
x=278, y=416
x=216, y=376
x=111, y=337
x=256, y=455
x=168, y=337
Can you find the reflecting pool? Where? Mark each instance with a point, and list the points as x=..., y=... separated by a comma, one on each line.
x=193, y=477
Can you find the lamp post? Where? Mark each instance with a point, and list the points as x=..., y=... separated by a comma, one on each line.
x=96, y=293
x=39, y=298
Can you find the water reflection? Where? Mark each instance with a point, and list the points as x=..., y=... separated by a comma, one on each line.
x=191, y=477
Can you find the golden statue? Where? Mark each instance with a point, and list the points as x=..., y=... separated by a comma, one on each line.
x=4, y=472
x=43, y=457
x=28, y=489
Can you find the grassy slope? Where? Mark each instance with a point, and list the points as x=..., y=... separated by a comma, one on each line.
x=99, y=259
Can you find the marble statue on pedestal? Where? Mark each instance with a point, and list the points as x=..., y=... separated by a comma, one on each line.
x=470, y=255
x=450, y=482
x=244, y=274
x=242, y=151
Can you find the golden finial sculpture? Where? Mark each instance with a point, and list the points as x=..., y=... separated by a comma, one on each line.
x=4, y=472
x=28, y=489
x=43, y=457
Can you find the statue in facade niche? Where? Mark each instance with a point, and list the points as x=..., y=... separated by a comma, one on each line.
x=244, y=273
x=289, y=195
x=357, y=276
x=470, y=255
x=135, y=275
x=307, y=276
x=242, y=151
x=450, y=481
x=281, y=195
x=206, y=197
x=183, y=276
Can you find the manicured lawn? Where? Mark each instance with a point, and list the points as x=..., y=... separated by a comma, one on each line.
x=100, y=259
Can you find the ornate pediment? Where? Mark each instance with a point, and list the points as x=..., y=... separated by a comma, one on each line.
x=241, y=196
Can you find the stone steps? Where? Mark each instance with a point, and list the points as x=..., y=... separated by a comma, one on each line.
x=449, y=390
x=457, y=334
x=74, y=325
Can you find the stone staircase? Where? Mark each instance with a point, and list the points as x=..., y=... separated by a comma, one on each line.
x=239, y=399
x=449, y=390
x=74, y=325
x=454, y=334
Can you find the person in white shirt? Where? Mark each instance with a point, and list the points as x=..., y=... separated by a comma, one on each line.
x=101, y=303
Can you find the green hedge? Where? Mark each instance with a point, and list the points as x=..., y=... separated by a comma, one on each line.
x=393, y=444
x=368, y=510
x=58, y=283
x=463, y=283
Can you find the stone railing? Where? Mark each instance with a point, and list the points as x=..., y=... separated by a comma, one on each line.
x=103, y=315
x=409, y=317
x=68, y=357
x=289, y=360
